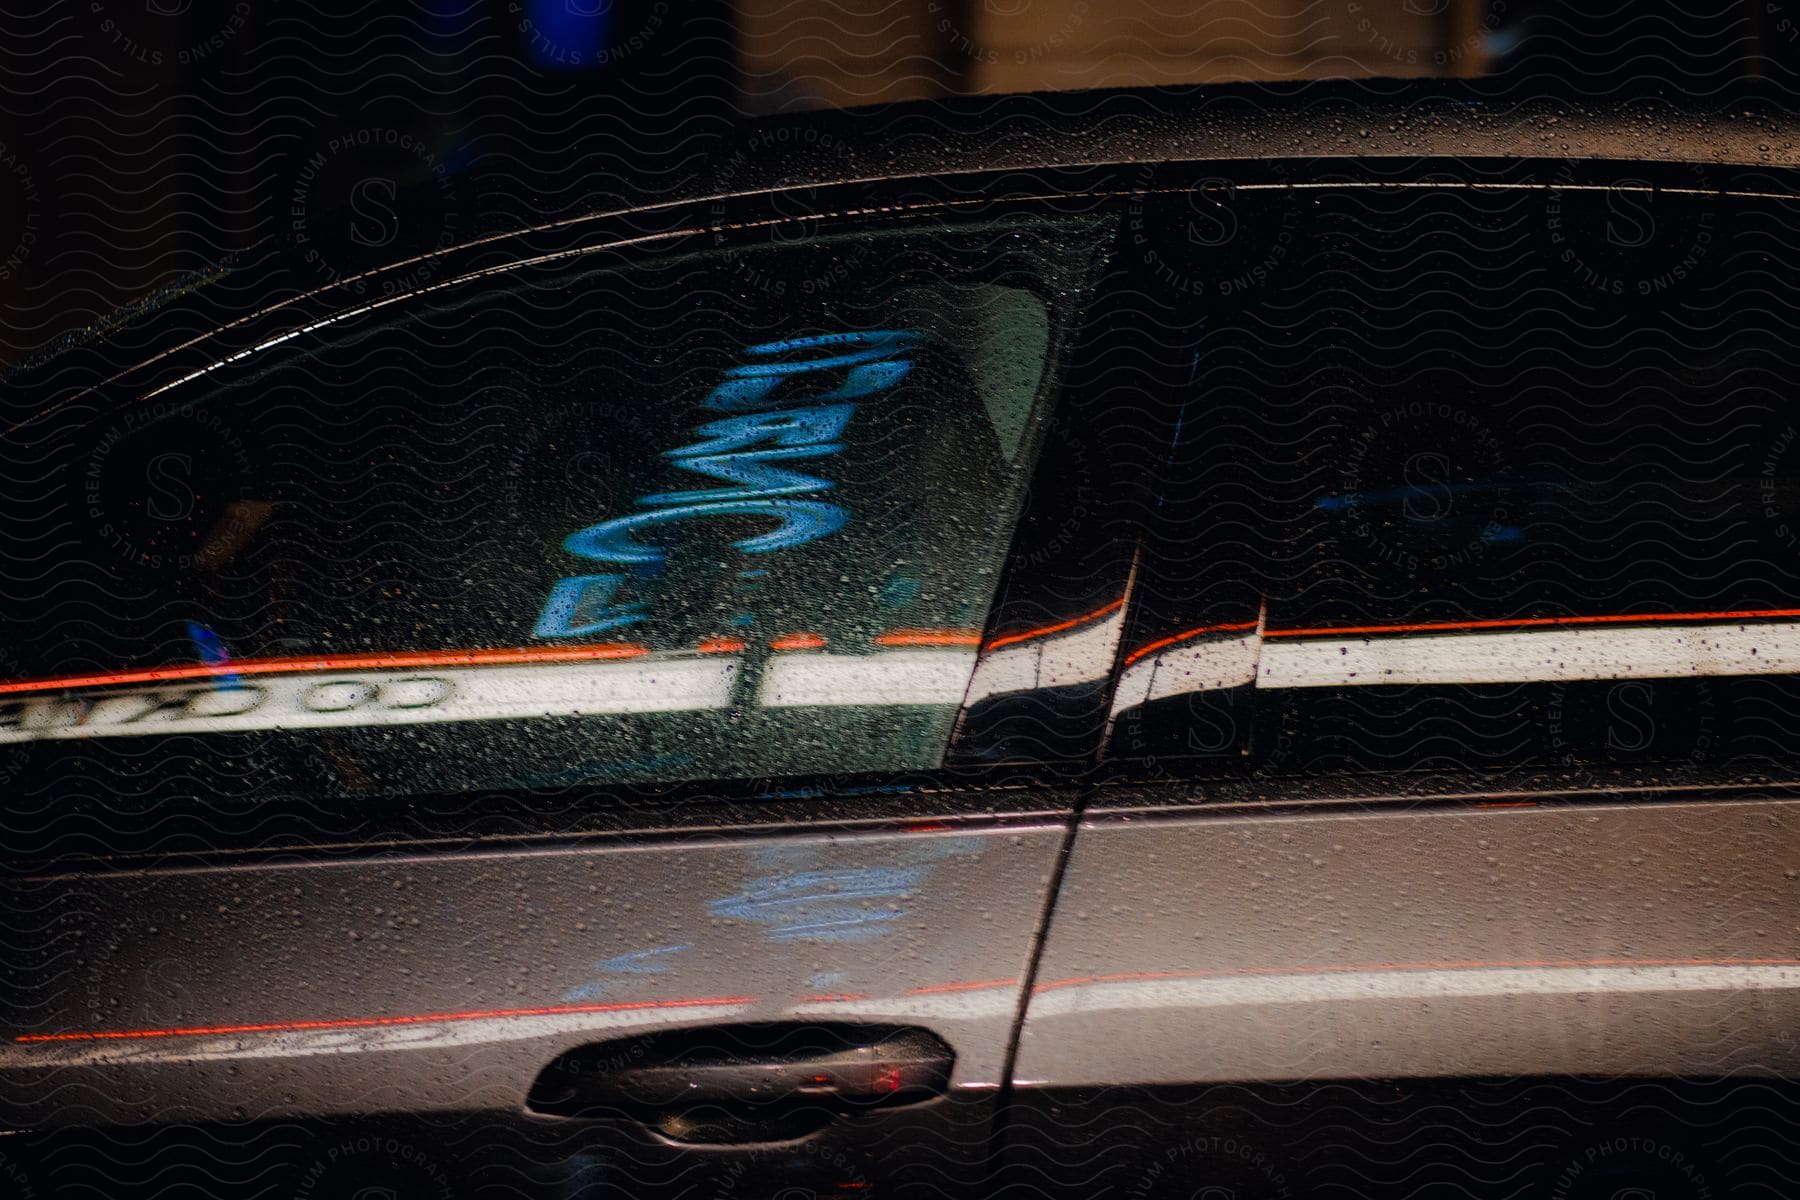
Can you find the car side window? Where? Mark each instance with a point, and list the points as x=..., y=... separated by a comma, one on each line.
x=679, y=514
x=1476, y=488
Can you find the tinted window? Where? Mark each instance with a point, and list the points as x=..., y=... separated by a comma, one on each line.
x=710, y=514
x=1485, y=475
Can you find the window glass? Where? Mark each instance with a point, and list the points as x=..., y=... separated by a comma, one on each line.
x=1498, y=475
x=698, y=515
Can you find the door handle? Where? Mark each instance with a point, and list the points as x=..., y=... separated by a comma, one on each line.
x=745, y=1083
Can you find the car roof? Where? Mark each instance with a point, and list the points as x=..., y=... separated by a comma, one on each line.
x=1309, y=119
x=969, y=136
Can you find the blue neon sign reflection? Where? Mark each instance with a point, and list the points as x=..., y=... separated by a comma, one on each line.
x=747, y=450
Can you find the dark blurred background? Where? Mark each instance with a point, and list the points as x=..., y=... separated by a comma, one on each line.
x=146, y=146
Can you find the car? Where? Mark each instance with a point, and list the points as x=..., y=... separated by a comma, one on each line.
x=1224, y=642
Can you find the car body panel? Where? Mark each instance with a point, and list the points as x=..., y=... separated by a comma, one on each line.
x=1512, y=940
x=448, y=982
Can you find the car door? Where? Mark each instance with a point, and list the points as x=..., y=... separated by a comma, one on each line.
x=1448, y=844
x=524, y=736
